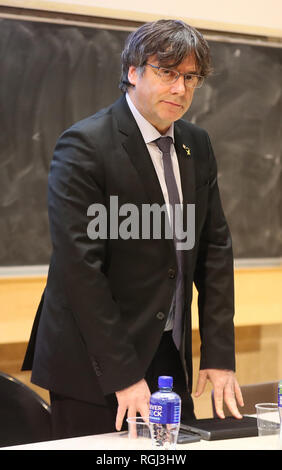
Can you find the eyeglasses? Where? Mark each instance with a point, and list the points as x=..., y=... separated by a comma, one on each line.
x=170, y=76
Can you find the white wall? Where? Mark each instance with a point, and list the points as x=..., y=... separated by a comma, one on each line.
x=263, y=17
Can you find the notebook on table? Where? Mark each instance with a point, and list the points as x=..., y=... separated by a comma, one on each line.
x=212, y=429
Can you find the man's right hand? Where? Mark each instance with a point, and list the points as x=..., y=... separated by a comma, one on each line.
x=134, y=399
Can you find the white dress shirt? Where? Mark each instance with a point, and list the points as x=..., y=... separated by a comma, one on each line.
x=149, y=134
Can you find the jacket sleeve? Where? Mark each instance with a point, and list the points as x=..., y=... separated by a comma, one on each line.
x=76, y=181
x=214, y=280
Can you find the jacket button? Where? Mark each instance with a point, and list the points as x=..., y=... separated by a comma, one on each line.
x=171, y=273
x=160, y=315
x=97, y=369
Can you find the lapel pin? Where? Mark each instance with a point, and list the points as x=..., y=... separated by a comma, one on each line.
x=188, y=151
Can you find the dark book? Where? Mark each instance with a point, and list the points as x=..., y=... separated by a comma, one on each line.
x=212, y=429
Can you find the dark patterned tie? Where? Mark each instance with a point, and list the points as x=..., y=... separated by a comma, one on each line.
x=164, y=144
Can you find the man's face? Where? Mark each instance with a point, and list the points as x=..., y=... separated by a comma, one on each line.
x=160, y=103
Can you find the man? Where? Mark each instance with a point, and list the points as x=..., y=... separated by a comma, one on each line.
x=116, y=311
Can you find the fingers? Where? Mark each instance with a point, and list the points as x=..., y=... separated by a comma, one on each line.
x=133, y=428
x=238, y=394
x=233, y=395
x=144, y=412
x=202, y=379
x=121, y=411
x=133, y=400
x=218, y=402
x=132, y=412
x=226, y=389
x=230, y=400
x=230, y=393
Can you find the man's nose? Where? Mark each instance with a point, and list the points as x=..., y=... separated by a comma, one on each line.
x=179, y=86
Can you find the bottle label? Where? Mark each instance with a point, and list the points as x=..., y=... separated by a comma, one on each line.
x=280, y=394
x=165, y=413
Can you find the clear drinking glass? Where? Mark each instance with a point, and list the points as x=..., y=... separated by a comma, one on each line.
x=267, y=419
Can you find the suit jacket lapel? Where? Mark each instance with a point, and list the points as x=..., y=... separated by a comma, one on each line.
x=136, y=148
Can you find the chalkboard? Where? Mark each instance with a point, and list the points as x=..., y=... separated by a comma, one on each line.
x=53, y=75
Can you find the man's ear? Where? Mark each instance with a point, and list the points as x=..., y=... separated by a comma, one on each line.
x=132, y=75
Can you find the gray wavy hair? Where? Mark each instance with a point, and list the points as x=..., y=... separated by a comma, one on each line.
x=171, y=41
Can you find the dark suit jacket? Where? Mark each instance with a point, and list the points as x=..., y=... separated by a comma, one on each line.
x=106, y=302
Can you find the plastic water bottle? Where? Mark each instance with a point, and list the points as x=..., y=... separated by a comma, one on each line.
x=165, y=411
x=280, y=410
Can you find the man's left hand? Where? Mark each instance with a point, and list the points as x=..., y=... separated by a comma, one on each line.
x=225, y=387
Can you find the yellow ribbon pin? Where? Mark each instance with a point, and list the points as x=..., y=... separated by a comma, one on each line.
x=188, y=151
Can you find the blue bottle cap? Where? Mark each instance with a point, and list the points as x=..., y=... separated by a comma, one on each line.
x=165, y=381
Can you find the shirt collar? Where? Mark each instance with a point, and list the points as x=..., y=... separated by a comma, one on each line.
x=148, y=131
